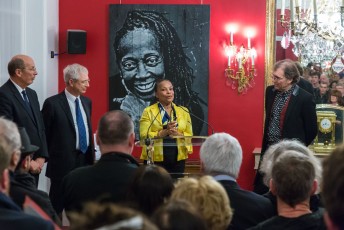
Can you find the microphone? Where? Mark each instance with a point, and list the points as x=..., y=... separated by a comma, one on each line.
x=148, y=140
x=195, y=116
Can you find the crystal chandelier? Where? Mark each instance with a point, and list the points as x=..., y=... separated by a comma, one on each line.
x=317, y=28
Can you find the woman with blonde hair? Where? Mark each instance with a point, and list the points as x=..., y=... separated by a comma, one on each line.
x=208, y=197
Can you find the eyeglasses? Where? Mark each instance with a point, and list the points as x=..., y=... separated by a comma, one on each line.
x=276, y=78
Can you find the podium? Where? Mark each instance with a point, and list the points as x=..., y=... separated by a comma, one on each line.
x=150, y=143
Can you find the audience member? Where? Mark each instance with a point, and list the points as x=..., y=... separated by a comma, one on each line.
x=333, y=189
x=321, y=94
x=23, y=184
x=340, y=87
x=11, y=216
x=333, y=85
x=324, y=79
x=178, y=215
x=221, y=157
x=336, y=98
x=108, y=216
x=69, y=111
x=209, y=198
x=19, y=103
x=107, y=180
x=271, y=156
x=151, y=186
x=293, y=182
x=303, y=83
x=315, y=78
x=289, y=112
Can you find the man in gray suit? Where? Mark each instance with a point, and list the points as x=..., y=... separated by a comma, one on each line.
x=20, y=104
x=70, y=146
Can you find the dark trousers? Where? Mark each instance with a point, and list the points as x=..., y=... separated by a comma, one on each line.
x=55, y=195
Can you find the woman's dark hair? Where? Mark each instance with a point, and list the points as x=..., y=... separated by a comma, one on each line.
x=150, y=187
x=336, y=93
x=176, y=67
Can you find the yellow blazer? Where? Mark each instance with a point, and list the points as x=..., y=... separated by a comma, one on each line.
x=184, y=126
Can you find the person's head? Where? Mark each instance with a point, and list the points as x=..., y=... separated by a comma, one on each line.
x=274, y=151
x=333, y=84
x=285, y=74
x=164, y=91
x=221, y=153
x=148, y=48
x=116, y=129
x=178, y=214
x=27, y=150
x=299, y=68
x=314, y=77
x=323, y=88
x=340, y=87
x=333, y=188
x=109, y=216
x=22, y=70
x=293, y=178
x=324, y=78
x=9, y=144
x=76, y=78
x=209, y=198
x=335, y=97
x=150, y=187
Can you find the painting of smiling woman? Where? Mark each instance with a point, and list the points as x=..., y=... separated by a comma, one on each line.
x=145, y=46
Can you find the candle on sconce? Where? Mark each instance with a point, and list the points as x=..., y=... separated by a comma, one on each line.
x=248, y=42
x=298, y=3
x=315, y=8
x=292, y=10
x=231, y=38
x=253, y=55
x=229, y=59
x=283, y=7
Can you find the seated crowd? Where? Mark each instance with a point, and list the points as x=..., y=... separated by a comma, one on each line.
x=117, y=193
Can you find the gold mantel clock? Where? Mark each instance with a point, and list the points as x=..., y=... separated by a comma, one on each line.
x=325, y=140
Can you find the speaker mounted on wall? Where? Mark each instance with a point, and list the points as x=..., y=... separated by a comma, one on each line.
x=76, y=41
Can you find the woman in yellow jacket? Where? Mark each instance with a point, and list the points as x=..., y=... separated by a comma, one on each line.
x=166, y=120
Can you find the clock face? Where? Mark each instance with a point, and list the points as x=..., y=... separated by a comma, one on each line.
x=325, y=123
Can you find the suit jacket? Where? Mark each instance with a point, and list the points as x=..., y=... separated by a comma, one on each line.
x=61, y=135
x=300, y=121
x=249, y=207
x=23, y=185
x=12, y=218
x=306, y=85
x=12, y=107
x=107, y=180
x=151, y=124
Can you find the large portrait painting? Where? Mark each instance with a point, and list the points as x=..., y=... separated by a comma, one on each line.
x=148, y=42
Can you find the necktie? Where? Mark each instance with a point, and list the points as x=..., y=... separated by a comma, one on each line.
x=81, y=127
x=26, y=99
x=27, y=103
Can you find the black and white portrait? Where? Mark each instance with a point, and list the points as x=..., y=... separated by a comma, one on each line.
x=148, y=42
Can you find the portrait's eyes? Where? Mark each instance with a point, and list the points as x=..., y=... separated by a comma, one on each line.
x=153, y=60
x=129, y=65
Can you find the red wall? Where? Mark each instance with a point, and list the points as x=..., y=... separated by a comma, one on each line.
x=238, y=115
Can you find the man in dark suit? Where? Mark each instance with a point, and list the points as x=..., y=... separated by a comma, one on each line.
x=20, y=104
x=11, y=216
x=108, y=179
x=221, y=157
x=70, y=146
x=290, y=112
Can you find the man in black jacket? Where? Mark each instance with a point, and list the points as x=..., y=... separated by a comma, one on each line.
x=221, y=157
x=107, y=180
x=289, y=112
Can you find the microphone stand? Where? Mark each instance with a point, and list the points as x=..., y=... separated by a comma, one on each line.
x=200, y=119
x=149, y=143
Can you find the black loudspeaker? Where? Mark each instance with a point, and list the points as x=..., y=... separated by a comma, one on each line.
x=76, y=41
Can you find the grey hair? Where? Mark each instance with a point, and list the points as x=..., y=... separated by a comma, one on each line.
x=221, y=153
x=73, y=71
x=274, y=151
x=9, y=142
